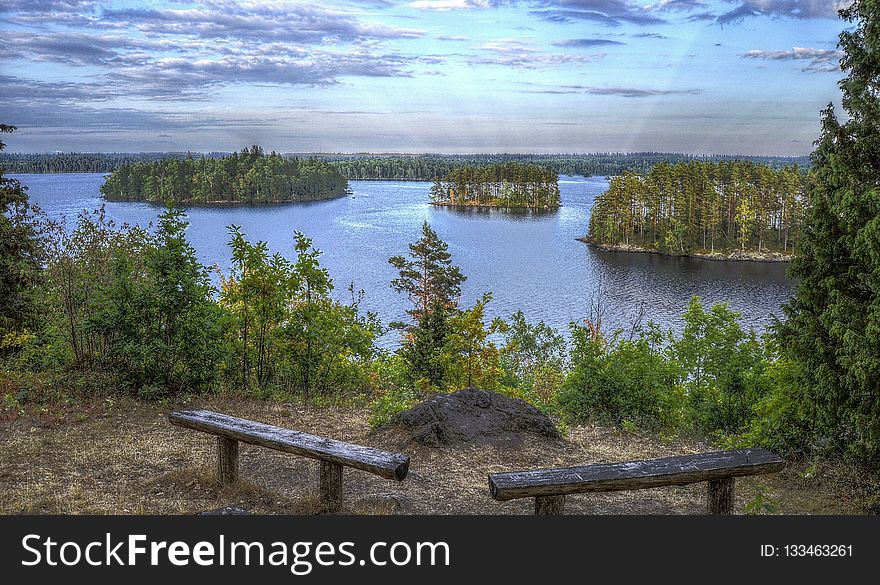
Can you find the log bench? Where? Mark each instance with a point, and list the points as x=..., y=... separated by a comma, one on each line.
x=550, y=486
x=333, y=455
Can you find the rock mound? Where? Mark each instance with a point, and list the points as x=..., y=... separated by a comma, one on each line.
x=472, y=415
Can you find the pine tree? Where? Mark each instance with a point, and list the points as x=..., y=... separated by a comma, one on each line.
x=429, y=278
x=833, y=325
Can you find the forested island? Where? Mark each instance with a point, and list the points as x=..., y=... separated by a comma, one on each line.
x=512, y=185
x=390, y=167
x=250, y=177
x=736, y=210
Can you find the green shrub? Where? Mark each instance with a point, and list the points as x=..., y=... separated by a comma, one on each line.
x=389, y=403
x=620, y=380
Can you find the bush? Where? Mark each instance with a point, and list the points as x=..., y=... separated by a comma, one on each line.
x=165, y=330
x=287, y=333
x=389, y=403
x=533, y=361
x=721, y=368
x=782, y=421
x=620, y=380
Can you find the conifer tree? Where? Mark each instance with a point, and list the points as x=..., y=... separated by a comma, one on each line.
x=833, y=326
x=429, y=277
x=20, y=254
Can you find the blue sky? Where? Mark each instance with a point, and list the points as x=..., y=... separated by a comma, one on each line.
x=697, y=76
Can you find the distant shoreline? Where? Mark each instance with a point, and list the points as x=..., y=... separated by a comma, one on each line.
x=734, y=256
x=224, y=203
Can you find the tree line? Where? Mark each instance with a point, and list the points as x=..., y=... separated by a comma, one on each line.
x=499, y=185
x=85, y=162
x=699, y=207
x=391, y=167
x=250, y=176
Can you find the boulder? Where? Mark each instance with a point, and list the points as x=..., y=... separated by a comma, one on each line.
x=473, y=415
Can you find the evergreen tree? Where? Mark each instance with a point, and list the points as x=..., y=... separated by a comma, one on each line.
x=423, y=349
x=429, y=278
x=433, y=285
x=833, y=326
x=20, y=254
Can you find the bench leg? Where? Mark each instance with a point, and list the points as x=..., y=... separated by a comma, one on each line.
x=227, y=460
x=549, y=505
x=331, y=487
x=721, y=493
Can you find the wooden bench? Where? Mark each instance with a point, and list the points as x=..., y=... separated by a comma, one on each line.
x=550, y=486
x=334, y=455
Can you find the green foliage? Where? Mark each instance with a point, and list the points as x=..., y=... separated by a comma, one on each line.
x=246, y=177
x=428, y=278
x=833, y=320
x=389, y=403
x=136, y=303
x=708, y=380
x=422, y=167
x=393, y=389
x=621, y=380
x=702, y=206
x=446, y=347
x=511, y=184
x=471, y=358
x=721, y=367
x=287, y=332
x=433, y=285
x=423, y=348
x=21, y=256
x=781, y=420
x=164, y=330
x=761, y=504
x=533, y=360
x=82, y=266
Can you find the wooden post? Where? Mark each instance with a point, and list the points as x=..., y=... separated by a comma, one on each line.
x=227, y=460
x=720, y=495
x=331, y=487
x=549, y=505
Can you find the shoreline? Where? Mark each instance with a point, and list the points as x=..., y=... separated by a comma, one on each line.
x=734, y=256
x=222, y=203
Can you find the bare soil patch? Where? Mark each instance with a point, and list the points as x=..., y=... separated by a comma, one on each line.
x=123, y=457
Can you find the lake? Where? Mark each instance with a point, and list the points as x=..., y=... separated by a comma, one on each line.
x=529, y=260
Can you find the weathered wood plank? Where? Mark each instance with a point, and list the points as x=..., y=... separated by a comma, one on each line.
x=330, y=487
x=549, y=505
x=720, y=495
x=382, y=463
x=633, y=475
x=227, y=460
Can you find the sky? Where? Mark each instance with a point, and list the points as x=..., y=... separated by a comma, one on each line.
x=449, y=76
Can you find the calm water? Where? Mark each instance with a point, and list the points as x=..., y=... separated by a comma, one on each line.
x=530, y=261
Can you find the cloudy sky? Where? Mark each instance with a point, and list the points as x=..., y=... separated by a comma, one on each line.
x=699, y=76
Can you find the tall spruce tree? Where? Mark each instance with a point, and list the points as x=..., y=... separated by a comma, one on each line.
x=20, y=254
x=833, y=320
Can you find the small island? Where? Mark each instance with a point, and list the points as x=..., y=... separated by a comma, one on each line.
x=732, y=210
x=504, y=185
x=250, y=177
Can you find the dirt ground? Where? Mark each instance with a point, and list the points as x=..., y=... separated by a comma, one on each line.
x=120, y=456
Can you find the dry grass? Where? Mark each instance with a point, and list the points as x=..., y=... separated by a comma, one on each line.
x=122, y=457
